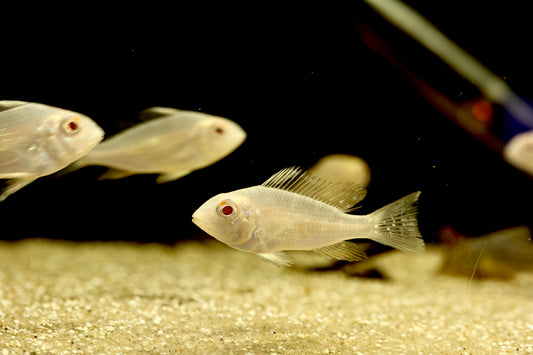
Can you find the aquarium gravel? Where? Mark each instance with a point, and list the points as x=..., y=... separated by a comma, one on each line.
x=204, y=298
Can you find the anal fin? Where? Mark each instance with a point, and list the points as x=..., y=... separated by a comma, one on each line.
x=13, y=186
x=343, y=251
x=115, y=174
x=279, y=258
x=167, y=177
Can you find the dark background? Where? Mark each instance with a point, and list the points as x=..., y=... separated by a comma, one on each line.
x=296, y=77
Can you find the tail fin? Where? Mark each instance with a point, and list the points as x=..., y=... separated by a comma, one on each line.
x=397, y=225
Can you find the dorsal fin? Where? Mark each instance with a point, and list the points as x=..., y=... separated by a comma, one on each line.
x=342, y=195
x=156, y=112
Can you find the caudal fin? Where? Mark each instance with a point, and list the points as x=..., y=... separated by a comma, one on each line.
x=396, y=225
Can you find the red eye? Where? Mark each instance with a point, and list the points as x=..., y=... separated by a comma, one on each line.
x=227, y=210
x=73, y=125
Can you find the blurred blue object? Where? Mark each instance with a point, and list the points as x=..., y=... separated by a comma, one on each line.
x=513, y=125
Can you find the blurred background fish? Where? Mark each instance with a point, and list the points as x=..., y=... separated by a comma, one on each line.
x=38, y=140
x=499, y=254
x=519, y=152
x=342, y=168
x=171, y=143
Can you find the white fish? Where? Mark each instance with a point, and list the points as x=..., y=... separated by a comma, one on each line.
x=38, y=140
x=519, y=152
x=294, y=210
x=173, y=144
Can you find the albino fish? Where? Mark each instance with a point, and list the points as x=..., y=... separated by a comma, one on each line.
x=172, y=143
x=499, y=254
x=342, y=167
x=294, y=210
x=38, y=140
x=519, y=152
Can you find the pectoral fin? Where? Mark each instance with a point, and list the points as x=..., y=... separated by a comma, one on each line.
x=343, y=251
x=279, y=258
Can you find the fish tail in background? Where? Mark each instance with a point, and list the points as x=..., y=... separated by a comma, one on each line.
x=396, y=225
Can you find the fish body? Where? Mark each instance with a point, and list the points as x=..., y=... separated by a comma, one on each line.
x=173, y=143
x=38, y=140
x=297, y=211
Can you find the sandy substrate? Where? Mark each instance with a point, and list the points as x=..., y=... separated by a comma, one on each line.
x=204, y=298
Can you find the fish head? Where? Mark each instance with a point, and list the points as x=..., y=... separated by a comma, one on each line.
x=228, y=218
x=71, y=135
x=219, y=137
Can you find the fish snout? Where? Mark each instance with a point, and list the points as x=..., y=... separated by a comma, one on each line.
x=196, y=219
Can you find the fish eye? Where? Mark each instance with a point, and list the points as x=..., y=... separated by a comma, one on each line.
x=219, y=130
x=71, y=125
x=227, y=209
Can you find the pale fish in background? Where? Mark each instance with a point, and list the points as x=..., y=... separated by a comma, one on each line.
x=38, y=140
x=172, y=143
x=519, y=152
x=342, y=168
x=294, y=210
x=500, y=254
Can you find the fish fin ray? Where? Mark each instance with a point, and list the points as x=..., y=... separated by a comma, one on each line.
x=397, y=225
x=278, y=258
x=341, y=195
x=167, y=177
x=343, y=251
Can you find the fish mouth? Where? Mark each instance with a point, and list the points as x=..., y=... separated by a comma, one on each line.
x=196, y=221
x=200, y=225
